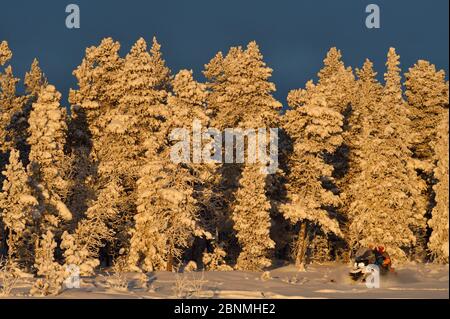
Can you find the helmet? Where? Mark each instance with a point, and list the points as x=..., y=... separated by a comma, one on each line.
x=365, y=255
x=380, y=249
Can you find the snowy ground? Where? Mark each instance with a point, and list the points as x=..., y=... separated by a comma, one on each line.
x=318, y=281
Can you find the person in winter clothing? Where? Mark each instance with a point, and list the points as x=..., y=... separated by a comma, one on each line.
x=376, y=255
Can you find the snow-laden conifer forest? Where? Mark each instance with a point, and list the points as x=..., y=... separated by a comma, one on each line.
x=90, y=184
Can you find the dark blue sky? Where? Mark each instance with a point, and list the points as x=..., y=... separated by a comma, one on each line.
x=293, y=35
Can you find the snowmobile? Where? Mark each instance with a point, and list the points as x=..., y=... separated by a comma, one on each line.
x=370, y=256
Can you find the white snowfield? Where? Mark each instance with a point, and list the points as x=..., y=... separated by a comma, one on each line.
x=318, y=281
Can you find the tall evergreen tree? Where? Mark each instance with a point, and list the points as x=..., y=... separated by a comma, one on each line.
x=315, y=130
x=253, y=225
x=145, y=95
x=167, y=211
x=251, y=216
x=438, y=243
x=141, y=114
x=35, y=80
x=10, y=107
x=339, y=81
x=241, y=97
x=5, y=56
x=233, y=94
x=166, y=219
x=17, y=208
x=388, y=205
x=337, y=85
x=5, y=53
x=49, y=167
x=186, y=104
x=161, y=73
x=96, y=97
x=367, y=96
x=427, y=96
x=123, y=100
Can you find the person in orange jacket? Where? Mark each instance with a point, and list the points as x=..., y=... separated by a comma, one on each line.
x=383, y=260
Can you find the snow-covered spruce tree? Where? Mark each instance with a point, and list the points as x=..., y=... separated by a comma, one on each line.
x=118, y=164
x=215, y=260
x=17, y=206
x=251, y=213
x=52, y=272
x=237, y=94
x=315, y=129
x=5, y=56
x=166, y=219
x=91, y=102
x=141, y=113
x=5, y=53
x=427, y=96
x=167, y=213
x=387, y=201
x=186, y=104
x=241, y=97
x=35, y=80
x=161, y=73
x=223, y=115
x=96, y=95
x=122, y=102
x=337, y=85
x=81, y=248
x=367, y=96
x=10, y=105
x=251, y=216
x=97, y=194
x=142, y=107
x=339, y=81
x=188, y=101
x=49, y=166
x=438, y=243
x=141, y=110
x=14, y=110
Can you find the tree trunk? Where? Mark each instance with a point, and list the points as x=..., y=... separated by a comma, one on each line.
x=10, y=244
x=302, y=245
x=170, y=260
